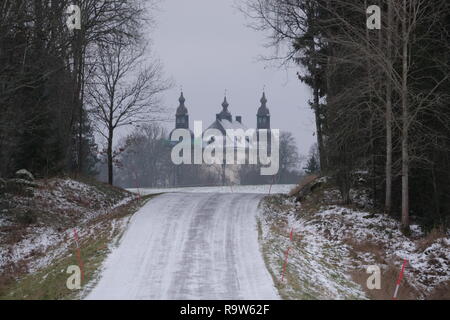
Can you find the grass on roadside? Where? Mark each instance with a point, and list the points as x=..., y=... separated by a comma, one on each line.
x=49, y=283
x=307, y=275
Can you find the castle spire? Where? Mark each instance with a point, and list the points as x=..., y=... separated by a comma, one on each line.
x=263, y=115
x=225, y=104
x=263, y=100
x=182, y=110
x=182, y=117
x=224, y=114
x=263, y=110
x=182, y=99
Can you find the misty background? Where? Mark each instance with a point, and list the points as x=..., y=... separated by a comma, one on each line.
x=226, y=55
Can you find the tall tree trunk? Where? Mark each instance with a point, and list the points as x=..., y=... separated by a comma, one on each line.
x=316, y=104
x=79, y=95
x=110, y=156
x=319, y=127
x=372, y=86
x=388, y=199
x=405, y=124
x=437, y=204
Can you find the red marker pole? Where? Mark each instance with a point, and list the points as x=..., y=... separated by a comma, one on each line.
x=399, y=280
x=285, y=264
x=291, y=234
x=78, y=253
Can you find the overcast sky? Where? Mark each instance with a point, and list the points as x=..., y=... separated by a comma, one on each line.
x=206, y=47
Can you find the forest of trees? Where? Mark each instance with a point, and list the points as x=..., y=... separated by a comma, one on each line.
x=380, y=95
x=59, y=85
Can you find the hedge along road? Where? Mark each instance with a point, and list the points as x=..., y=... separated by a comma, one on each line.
x=189, y=246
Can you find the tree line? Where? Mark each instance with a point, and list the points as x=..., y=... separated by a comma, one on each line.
x=143, y=160
x=380, y=96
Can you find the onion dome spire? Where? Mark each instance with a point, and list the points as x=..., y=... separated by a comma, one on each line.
x=182, y=110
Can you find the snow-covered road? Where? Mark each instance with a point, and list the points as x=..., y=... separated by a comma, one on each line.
x=189, y=246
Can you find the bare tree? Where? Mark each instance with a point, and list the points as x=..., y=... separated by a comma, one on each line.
x=124, y=91
x=417, y=105
x=145, y=160
x=405, y=117
x=295, y=23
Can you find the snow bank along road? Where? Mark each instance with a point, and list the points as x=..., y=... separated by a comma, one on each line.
x=189, y=246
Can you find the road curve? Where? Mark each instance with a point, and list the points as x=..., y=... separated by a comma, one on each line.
x=189, y=246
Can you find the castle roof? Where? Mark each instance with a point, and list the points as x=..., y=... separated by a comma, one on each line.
x=222, y=126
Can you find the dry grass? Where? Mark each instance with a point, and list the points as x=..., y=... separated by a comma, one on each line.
x=430, y=238
x=389, y=274
x=364, y=247
x=441, y=292
x=303, y=183
x=389, y=278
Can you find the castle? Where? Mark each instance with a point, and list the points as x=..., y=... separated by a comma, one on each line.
x=224, y=121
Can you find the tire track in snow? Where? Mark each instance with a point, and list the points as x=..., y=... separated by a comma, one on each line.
x=189, y=246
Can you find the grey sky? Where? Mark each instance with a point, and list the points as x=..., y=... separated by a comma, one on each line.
x=206, y=47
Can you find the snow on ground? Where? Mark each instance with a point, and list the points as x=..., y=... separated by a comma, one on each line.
x=315, y=268
x=189, y=246
x=57, y=205
x=335, y=241
x=32, y=248
x=427, y=267
x=262, y=189
x=117, y=229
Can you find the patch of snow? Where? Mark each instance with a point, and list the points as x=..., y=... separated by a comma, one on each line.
x=66, y=198
x=319, y=266
x=24, y=174
x=325, y=234
x=426, y=269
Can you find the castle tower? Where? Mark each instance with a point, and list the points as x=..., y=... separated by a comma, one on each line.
x=182, y=116
x=224, y=114
x=263, y=115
